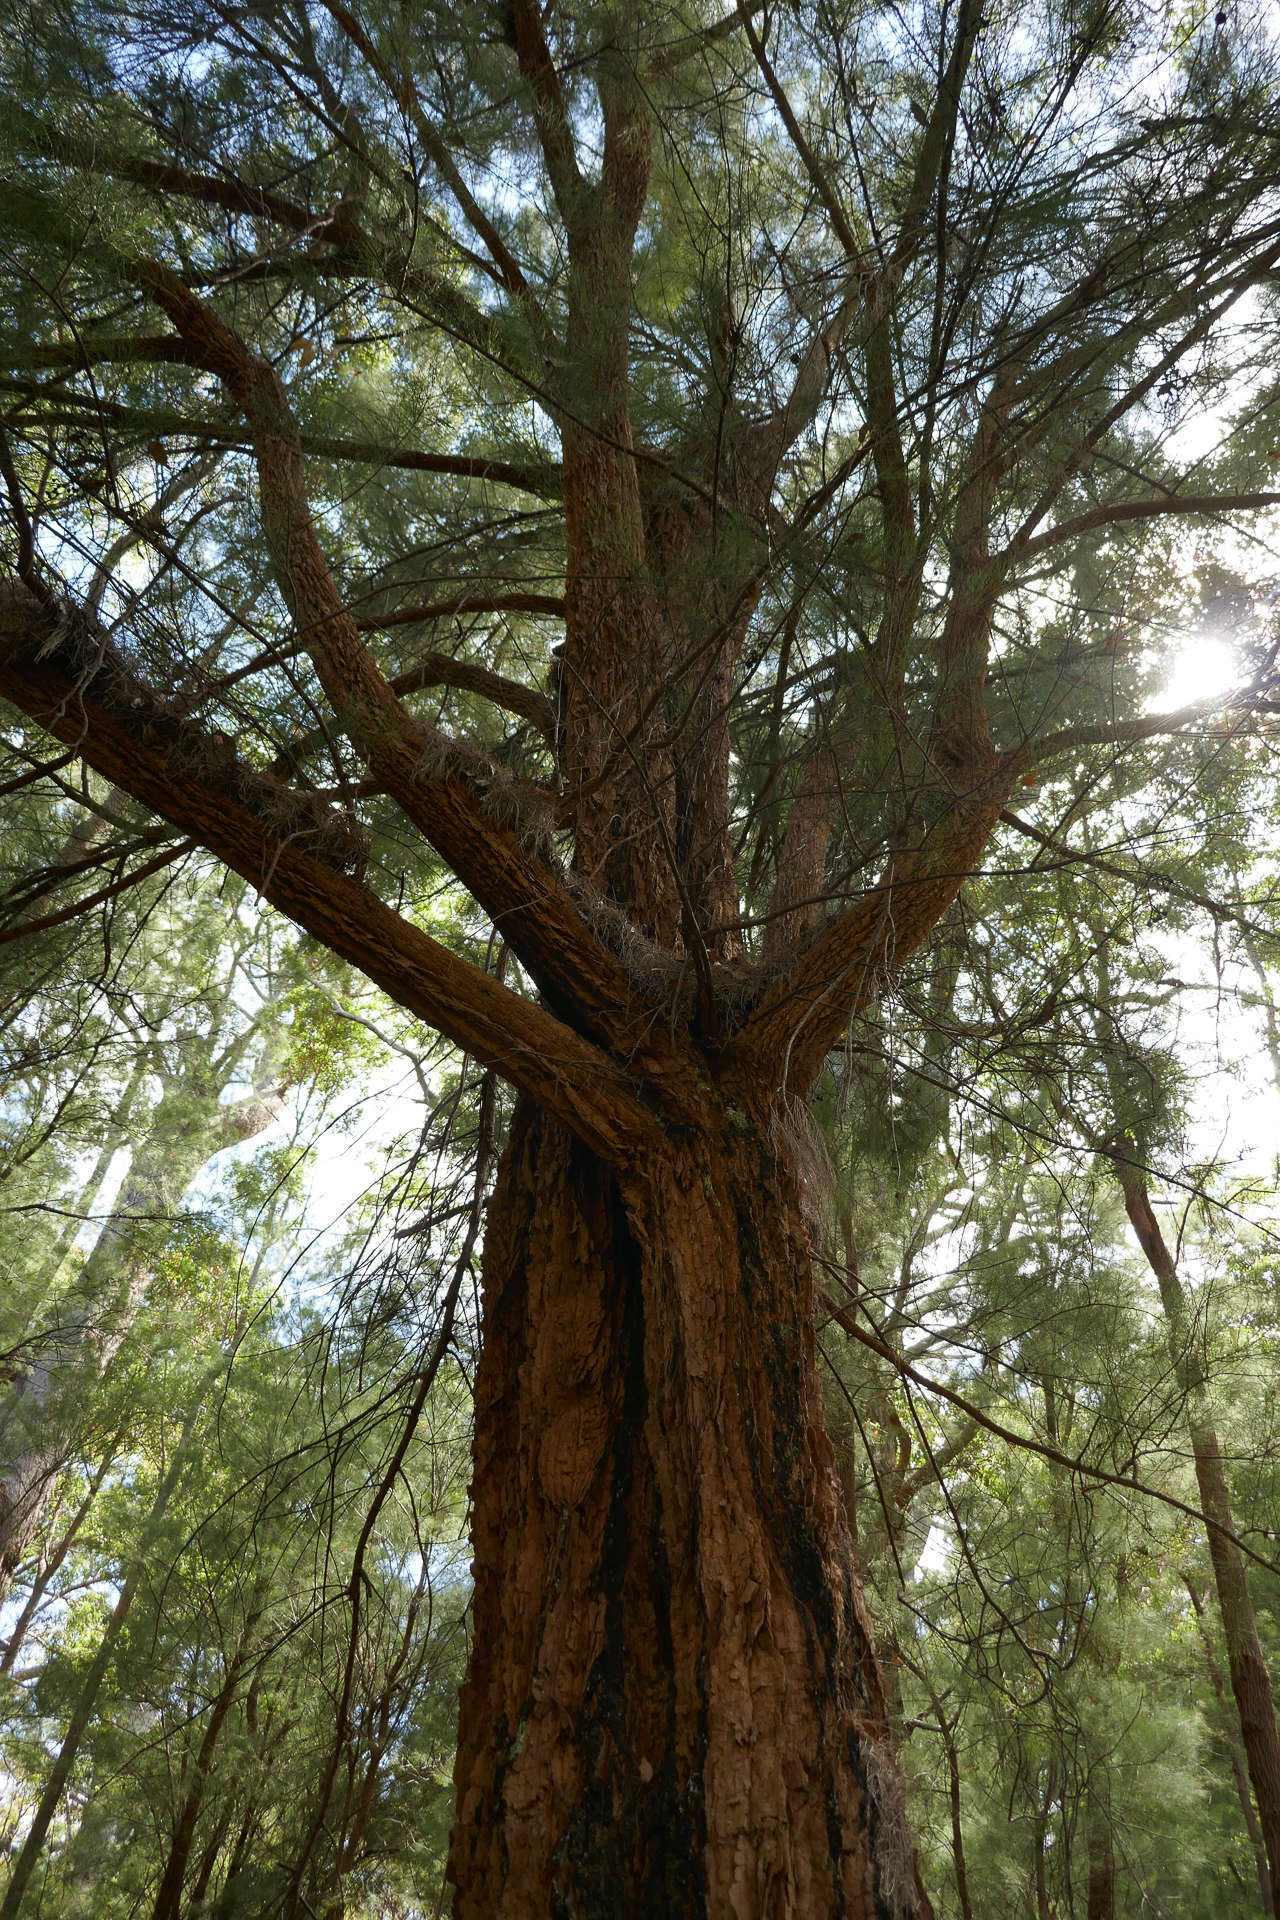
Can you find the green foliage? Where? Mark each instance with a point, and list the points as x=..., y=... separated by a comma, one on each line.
x=1025, y=1532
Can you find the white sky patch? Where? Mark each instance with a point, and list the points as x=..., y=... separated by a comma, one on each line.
x=935, y=1555
x=103, y=1200
x=1205, y=667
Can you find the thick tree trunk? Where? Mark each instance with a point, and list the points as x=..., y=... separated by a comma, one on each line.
x=674, y=1705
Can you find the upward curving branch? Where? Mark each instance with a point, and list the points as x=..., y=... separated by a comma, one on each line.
x=65, y=675
x=424, y=772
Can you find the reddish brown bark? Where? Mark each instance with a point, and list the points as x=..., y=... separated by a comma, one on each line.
x=674, y=1673
x=1101, y=1895
x=797, y=897
x=706, y=602
x=675, y=1691
x=1230, y=1730
x=1246, y=1662
x=674, y=1705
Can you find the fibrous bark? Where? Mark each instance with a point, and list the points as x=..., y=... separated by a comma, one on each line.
x=676, y=1690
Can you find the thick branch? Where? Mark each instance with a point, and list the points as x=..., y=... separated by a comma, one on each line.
x=1203, y=302
x=1135, y=875
x=508, y=268
x=840, y=223
x=853, y=959
x=689, y=44
x=64, y=408
x=470, y=600
x=70, y=682
x=939, y=133
x=334, y=238
x=1147, y=726
x=422, y=771
x=442, y=670
x=24, y=929
x=1123, y=511
x=550, y=108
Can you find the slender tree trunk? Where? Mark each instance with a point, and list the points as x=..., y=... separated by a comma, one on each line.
x=1038, y=1833
x=957, y=1828
x=1246, y=1663
x=1234, y=1746
x=229, y=1901
x=208, y=1861
x=60, y=1246
x=40, y=1422
x=57, y=1554
x=169, y=1893
x=86, y=1702
x=1102, y=1860
x=687, y=1716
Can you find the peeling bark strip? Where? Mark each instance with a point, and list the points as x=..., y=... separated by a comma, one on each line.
x=675, y=1689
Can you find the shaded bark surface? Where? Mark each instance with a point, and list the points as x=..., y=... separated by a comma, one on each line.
x=1101, y=1895
x=674, y=1700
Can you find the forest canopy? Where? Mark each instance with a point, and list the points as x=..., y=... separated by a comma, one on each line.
x=638, y=940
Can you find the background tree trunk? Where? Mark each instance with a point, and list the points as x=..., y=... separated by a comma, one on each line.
x=1102, y=1860
x=1230, y=1729
x=45, y=1405
x=1246, y=1662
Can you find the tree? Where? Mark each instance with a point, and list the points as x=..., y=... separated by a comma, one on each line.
x=67, y=1355
x=202, y=1724
x=815, y=371
x=1247, y=1664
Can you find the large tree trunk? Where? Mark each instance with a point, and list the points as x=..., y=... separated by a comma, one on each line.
x=674, y=1706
